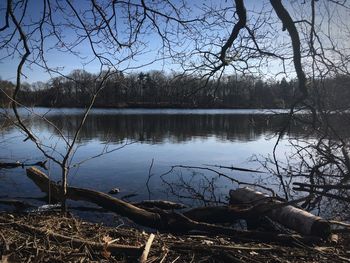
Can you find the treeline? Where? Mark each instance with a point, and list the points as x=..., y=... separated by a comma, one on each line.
x=161, y=128
x=157, y=89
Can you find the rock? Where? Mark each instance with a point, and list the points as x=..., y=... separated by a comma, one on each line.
x=114, y=191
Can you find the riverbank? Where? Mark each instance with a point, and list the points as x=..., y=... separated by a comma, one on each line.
x=49, y=237
x=150, y=106
x=159, y=106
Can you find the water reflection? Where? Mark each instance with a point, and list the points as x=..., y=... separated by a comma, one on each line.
x=178, y=137
x=161, y=128
x=168, y=137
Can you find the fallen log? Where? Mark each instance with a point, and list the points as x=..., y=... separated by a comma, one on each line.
x=220, y=214
x=165, y=205
x=288, y=216
x=138, y=215
x=157, y=218
x=232, y=213
x=146, y=217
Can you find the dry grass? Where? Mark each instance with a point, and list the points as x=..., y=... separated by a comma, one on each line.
x=33, y=238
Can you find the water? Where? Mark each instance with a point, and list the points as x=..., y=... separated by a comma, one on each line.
x=168, y=137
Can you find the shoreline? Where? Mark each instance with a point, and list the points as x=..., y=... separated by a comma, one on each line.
x=150, y=106
x=50, y=237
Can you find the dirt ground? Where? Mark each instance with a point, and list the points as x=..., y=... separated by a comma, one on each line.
x=49, y=237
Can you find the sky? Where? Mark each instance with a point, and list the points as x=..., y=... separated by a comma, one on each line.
x=150, y=42
x=65, y=61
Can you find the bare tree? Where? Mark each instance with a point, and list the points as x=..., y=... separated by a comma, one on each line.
x=114, y=31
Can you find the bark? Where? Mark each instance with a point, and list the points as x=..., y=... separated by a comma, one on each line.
x=165, y=205
x=288, y=24
x=219, y=214
x=288, y=216
x=242, y=20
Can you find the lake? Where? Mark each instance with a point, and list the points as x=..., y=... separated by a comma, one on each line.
x=162, y=138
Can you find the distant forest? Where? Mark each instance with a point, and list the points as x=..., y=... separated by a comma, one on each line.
x=156, y=89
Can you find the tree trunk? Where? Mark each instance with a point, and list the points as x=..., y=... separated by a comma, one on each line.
x=288, y=216
x=138, y=215
x=64, y=189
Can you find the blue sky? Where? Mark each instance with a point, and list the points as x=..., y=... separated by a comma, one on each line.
x=67, y=62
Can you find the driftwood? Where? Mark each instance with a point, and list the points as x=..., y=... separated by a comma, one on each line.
x=155, y=217
x=138, y=215
x=144, y=256
x=220, y=214
x=165, y=205
x=160, y=219
x=288, y=216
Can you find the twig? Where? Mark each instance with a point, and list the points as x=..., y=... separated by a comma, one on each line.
x=339, y=223
x=326, y=186
x=147, y=249
x=149, y=178
x=175, y=259
x=165, y=255
x=77, y=242
x=233, y=168
x=181, y=245
x=6, y=245
x=329, y=195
